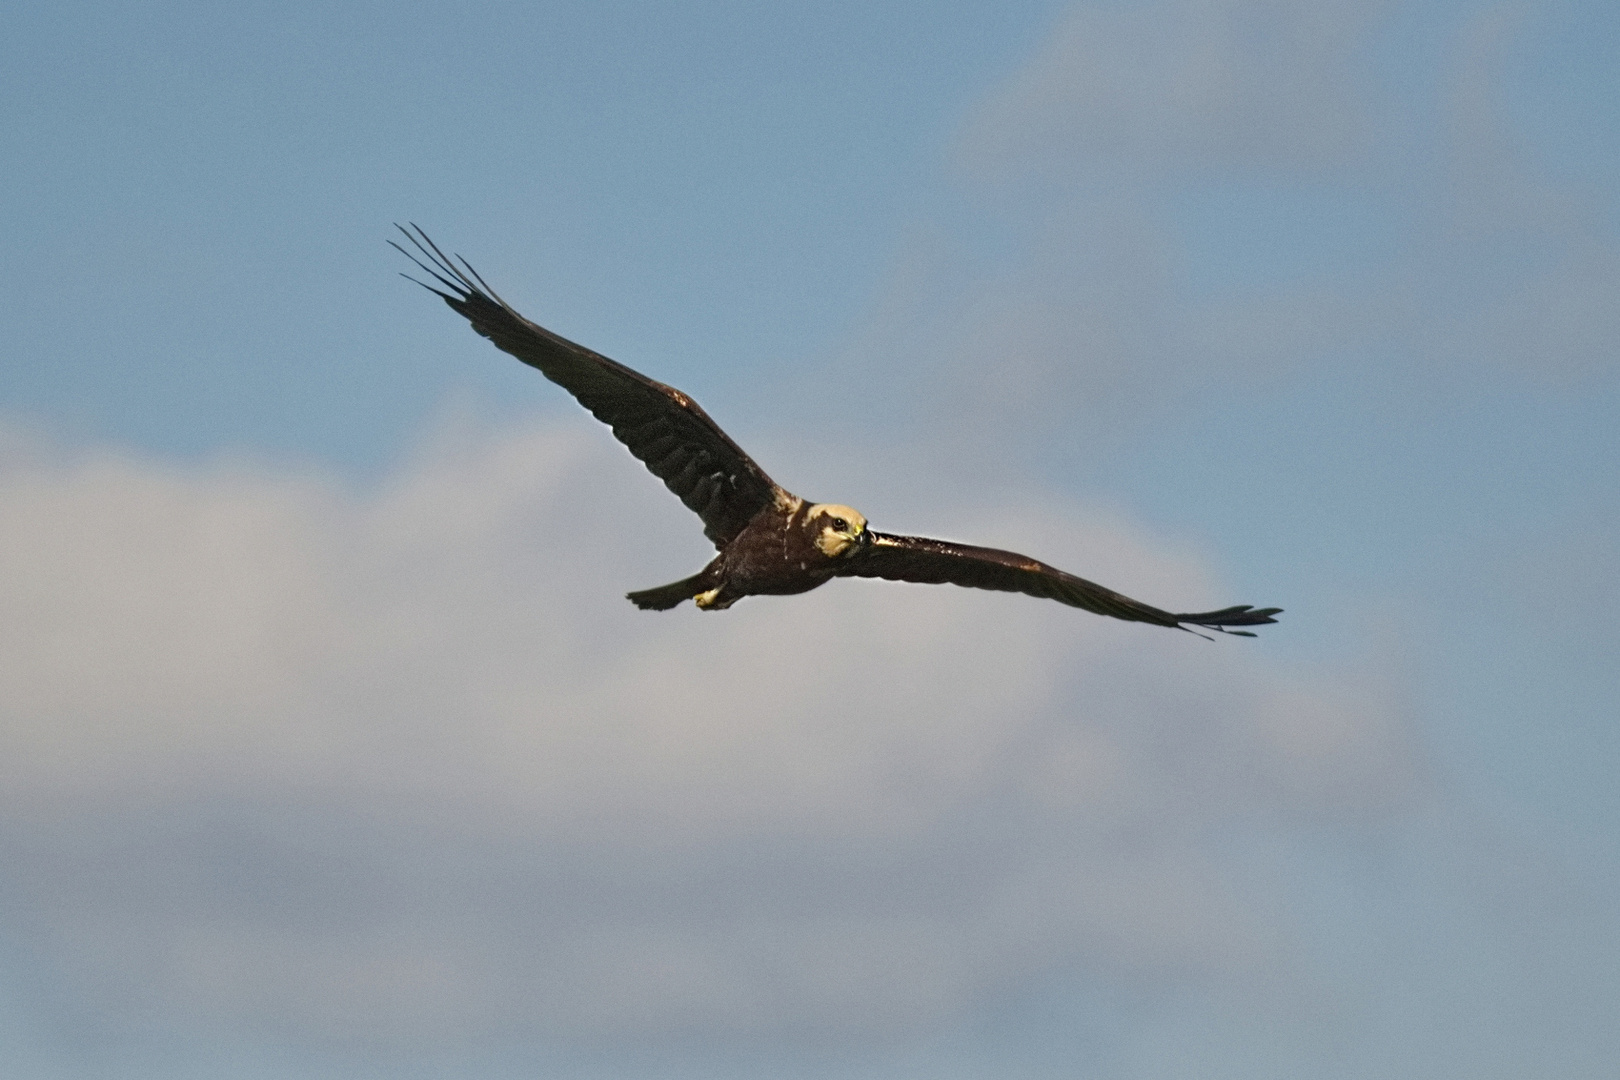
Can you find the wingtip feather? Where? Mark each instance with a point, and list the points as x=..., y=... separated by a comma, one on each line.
x=1241, y=615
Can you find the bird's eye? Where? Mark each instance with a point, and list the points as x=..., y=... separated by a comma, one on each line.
x=840, y=525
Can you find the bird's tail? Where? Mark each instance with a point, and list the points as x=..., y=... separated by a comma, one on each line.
x=667, y=596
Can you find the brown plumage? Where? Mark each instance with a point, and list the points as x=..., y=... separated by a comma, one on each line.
x=770, y=541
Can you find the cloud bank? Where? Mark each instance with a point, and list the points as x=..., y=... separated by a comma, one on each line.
x=401, y=767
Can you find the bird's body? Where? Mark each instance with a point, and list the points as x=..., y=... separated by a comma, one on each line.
x=770, y=541
x=789, y=547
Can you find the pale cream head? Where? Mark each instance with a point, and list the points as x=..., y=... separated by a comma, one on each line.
x=837, y=528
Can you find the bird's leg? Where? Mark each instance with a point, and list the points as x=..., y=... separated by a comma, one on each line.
x=715, y=599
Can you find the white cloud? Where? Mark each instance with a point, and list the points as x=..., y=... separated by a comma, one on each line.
x=404, y=767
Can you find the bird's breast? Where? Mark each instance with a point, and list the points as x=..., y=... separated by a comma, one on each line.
x=772, y=556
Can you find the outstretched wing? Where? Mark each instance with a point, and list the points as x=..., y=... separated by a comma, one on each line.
x=938, y=562
x=666, y=430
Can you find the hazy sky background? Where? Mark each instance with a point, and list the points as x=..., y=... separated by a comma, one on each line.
x=329, y=746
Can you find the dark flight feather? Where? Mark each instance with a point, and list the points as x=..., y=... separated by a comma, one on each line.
x=666, y=430
x=940, y=562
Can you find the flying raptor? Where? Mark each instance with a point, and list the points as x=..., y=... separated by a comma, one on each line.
x=771, y=542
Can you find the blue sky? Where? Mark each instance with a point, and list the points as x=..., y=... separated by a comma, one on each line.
x=328, y=746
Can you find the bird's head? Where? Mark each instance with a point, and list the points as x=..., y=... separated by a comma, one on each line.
x=838, y=531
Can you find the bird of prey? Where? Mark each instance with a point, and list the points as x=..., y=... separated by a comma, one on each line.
x=770, y=541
